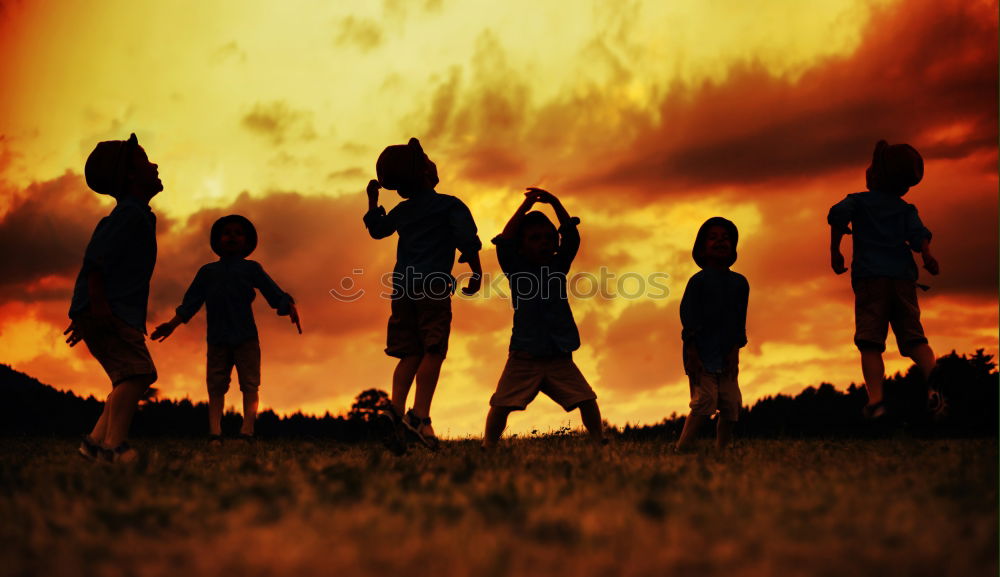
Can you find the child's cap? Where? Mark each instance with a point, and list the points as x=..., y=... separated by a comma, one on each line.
x=216, y=235
x=404, y=165
x=699, y=239
x=106, y=164
x=895, y=168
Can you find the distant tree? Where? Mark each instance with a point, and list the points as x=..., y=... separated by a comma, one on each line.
x=367, y=405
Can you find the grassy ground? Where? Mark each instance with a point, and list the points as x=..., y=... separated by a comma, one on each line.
x=547, y=506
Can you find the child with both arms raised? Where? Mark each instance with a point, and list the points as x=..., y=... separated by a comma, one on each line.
x=544, y=335
x=714, y=316
x=226, y=288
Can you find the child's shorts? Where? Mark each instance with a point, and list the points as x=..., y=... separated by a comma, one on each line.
x=524, y=376
x=119, y=347
x=716, y=391
x=880, y=302
x=221, y=359
x=418, y=326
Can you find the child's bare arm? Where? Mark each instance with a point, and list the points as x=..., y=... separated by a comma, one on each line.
x=550, y=199
x=930, y=263
x=476, y=280
x=378, y=223
x=836, y=257
x=164, y=330
x=372, y=190
x=530, y=198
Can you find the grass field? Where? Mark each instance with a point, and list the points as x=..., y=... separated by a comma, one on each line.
x=541, y=506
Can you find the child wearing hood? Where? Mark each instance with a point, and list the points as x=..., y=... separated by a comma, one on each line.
x=887, y=230
x=227, y=289
x=431, y=228
x=714, y=319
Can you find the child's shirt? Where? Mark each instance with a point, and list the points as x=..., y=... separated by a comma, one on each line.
x=226, y=287
x=543, y=322
x=714, y=315
x=431, y=227
x=886, y=229
x=123, y=249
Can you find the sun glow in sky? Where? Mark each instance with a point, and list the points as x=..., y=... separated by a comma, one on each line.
x=646, y=118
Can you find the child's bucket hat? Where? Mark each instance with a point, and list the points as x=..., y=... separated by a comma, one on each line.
x=216, y=235
x=106, y=165
x=895, y=168
x=405, y=165
x=699, y=239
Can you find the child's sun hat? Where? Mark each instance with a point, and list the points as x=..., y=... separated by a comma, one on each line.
x=105, y=167
x=404, y=165
x=215, y=236
x=894, y=168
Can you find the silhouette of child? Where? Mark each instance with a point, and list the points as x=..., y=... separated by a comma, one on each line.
x=714, y=320
x=111, y=294
x=226, y=287
x=536, y=262
x=431, y=227
x=884, y=275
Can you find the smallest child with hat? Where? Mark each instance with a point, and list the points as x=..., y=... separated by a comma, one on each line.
x=226, y=287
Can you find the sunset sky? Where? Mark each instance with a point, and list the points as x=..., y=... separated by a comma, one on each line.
x=645, y=118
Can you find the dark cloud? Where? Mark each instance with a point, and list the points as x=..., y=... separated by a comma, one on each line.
x=923, y=68
x=44, y=234
x=278, y=122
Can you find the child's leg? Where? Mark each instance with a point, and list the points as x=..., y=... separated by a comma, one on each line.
x=590, y=414
x=704, y=403
x=427, y=380
x=123, y=402
x=691, y=426
x=873, y=370
x=100, y=430
x=247, y=360
x=724, y=433
x=402, y=380
x=923, y=356
x=250, y=401
x=220, y=360
x=496, y=422
x=216, y=404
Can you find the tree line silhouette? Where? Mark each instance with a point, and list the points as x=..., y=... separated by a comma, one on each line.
x=969, y=383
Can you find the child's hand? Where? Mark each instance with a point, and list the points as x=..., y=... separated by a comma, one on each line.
x=475, y=283
x=372, y=190
x=74, y=334
x=540, y=195
x=293, y=314
x=837, y=262
x=692, y=362
x=931, y=263
x=163, y=331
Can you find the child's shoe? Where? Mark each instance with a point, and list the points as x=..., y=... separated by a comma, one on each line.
x=123, y=454
x=89, y=449
x=415, y=426
x=874, y=412
x=937, y=405
x=388, y=424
